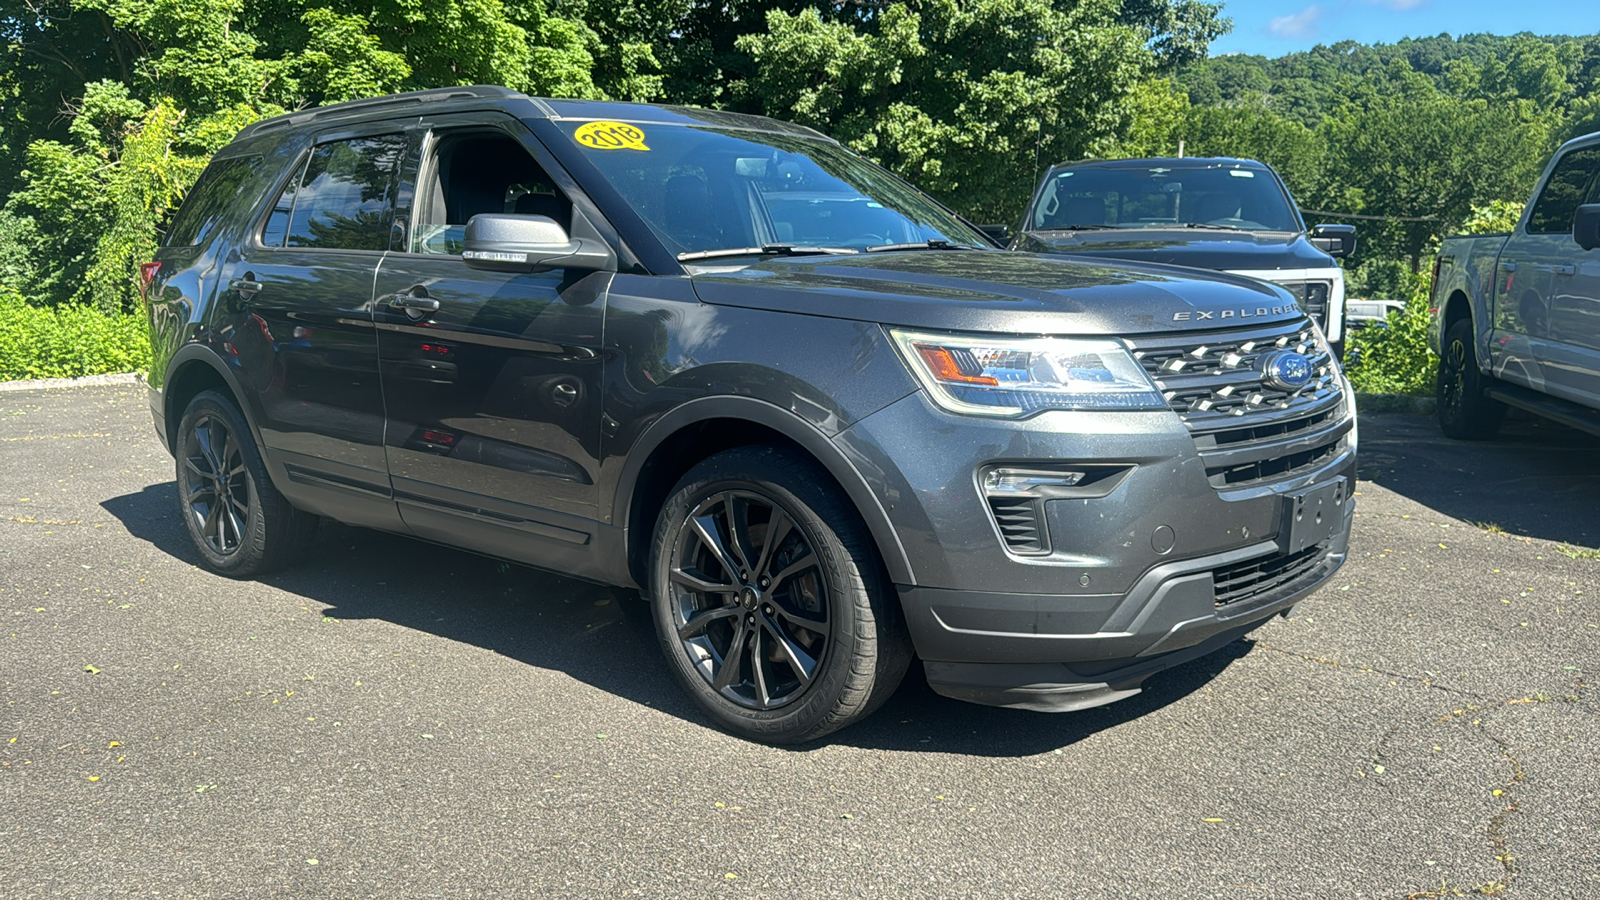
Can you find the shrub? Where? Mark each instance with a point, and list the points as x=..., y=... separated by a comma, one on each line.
x=1395, y=359
x=68, y=341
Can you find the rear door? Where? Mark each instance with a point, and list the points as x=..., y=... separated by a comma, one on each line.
x=492, y=380
x=300, y=288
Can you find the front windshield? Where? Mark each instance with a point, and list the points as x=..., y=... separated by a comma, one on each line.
x=1164, y=196
x=704, y=189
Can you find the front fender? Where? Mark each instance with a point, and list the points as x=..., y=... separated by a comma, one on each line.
x=790, y=425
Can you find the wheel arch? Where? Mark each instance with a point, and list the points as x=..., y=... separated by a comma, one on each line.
x=193, y=369
x=696, y=430
x=1458, y=306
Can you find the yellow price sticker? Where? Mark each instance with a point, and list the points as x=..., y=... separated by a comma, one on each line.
x=611, y=136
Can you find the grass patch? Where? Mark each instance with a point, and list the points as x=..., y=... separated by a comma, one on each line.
x=68, y=341
x=1578, y=552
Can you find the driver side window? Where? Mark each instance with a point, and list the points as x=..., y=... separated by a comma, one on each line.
x=468, y=173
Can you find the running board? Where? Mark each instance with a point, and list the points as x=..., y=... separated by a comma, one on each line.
x=1553, y=408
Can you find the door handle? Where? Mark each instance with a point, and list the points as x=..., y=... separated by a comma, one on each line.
x=564, y=394
x=412, y=303
x=1508, y=266
x=1565, y=269
x=246, y=287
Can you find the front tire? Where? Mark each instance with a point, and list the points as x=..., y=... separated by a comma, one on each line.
x=1464, y=411
x=239, y=523
x=770, y=601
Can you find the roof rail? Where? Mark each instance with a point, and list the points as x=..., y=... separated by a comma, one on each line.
x=376, y=104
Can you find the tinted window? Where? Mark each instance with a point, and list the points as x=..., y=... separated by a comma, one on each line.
x=1164, y=196
x=1558, y=202
x=209, y=199
x=340, y=199
x=277, y=227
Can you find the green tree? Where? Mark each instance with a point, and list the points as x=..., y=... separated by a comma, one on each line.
x=968, y=99
x=1252, y=131
x=1425, y=161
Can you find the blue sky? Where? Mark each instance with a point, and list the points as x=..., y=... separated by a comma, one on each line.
x=1276, y=27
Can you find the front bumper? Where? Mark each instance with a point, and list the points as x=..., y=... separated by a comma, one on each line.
x=1171, y=617
x=1161, y=568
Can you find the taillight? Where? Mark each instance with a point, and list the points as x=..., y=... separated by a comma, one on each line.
x=147, y=274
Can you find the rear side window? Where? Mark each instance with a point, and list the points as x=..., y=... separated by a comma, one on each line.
x=1563, y=193
x=207, y=202
x=341, y=199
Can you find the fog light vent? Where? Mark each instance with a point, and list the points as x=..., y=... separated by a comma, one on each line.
x=1021, y=524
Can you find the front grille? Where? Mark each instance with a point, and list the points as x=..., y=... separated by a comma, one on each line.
x=1247, y=431
x=1256, y=577
x=1021, y=524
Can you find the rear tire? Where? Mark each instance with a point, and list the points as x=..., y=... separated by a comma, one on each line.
x=770, y=601
x=1464, y=412
x=239, y=523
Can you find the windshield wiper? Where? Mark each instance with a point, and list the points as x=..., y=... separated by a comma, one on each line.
x=935, y=244
x=1078, y=228
x=768, y=250
x=1211, y=226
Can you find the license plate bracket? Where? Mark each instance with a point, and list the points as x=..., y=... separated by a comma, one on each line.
x=1311, y=517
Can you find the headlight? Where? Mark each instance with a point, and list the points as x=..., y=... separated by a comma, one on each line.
x=990, y=376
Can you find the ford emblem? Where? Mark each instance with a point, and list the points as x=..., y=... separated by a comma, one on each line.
x=1285, y=370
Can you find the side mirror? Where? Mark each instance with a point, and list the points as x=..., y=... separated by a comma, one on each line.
x=1586, y=226
x=502, y=242
x=1000, y=234
x=1334, y=240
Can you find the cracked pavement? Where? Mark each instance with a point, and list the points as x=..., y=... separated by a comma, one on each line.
x=395, y=719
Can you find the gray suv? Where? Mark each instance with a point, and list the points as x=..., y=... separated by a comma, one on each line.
x=814, y=417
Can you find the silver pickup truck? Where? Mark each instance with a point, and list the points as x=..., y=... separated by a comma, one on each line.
x=1516, y=318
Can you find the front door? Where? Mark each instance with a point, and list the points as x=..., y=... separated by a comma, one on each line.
x=1574, y=348
x=491, y=380
x=1564, y=332
x=299, y=297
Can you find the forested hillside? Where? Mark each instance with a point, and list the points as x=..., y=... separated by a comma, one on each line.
x=1423, y=129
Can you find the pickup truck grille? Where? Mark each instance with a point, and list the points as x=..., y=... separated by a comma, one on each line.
x=1249, y=432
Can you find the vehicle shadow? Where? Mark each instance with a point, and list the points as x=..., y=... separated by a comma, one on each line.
x=605, y=640
x=1536, y=478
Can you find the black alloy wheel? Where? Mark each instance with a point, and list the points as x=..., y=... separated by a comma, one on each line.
x=769, y=598
x=236, y=518
x=749, y=600
x=218, y=500
x=1463, y=410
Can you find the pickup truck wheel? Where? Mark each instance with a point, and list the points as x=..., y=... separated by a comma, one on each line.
x=770, y=601
x=1464, y=412
x=238, y=521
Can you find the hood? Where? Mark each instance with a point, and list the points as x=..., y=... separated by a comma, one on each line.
x=1201, y=248
x=997, y=291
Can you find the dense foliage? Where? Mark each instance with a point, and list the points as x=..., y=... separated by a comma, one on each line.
x=68, y=341
x=112, y=107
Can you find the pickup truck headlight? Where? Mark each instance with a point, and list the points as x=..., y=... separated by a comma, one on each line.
x=983, y=375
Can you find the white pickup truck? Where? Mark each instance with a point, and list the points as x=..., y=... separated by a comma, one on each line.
x=1516, y=318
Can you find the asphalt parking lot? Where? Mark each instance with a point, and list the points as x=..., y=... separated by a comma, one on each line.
x=395, y=719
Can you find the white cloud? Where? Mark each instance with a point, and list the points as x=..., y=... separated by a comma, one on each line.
x=1302, y=24
x=1400, y=5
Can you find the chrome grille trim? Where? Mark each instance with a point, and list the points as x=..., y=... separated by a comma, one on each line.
x=1247, y=432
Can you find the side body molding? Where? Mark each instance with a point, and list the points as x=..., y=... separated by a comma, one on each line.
x=792, y=426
